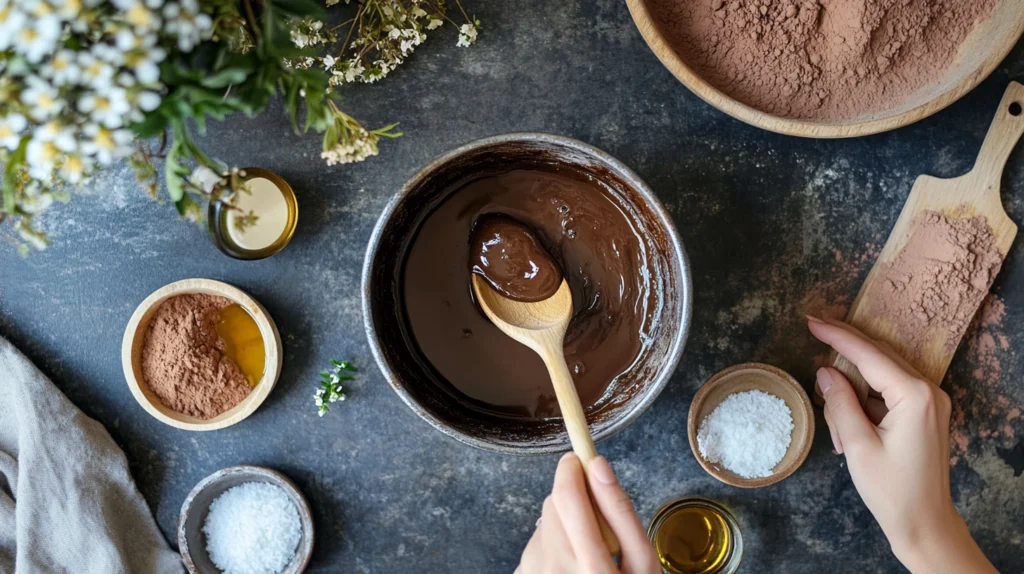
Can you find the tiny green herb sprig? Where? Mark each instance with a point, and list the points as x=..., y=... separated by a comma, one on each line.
x=331, y=389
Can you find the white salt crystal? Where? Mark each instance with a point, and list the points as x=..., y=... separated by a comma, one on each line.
x=252, y=528
x=747, y=433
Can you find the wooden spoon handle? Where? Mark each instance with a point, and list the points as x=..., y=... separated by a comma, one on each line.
x=1006, y=129
x=579, y=432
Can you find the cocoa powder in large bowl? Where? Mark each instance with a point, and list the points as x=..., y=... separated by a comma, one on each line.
x=829, y=68
x=420, y=384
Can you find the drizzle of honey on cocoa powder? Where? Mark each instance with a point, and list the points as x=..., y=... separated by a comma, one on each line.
x=593, y=243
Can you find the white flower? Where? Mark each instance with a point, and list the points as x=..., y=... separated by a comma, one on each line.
x=109, y=54
x=299, y=39
x=38, y=38
x=95, y=72
x=127, y=40
x=41, y=156
x=139, y=15
x=69, y=9
x=11, y=127
x=204, y=178
x=107, y=145
x=41, y=98
x=354, y=69
x=35, y=200
x=62, y=136
x=148, y=101
x=329, y=61
x=12, y=21
x=361, y=147
x=185, y=21
x=108, y=107
x=62, y=68
x=434, y=24
x=419, y=12
x=36, y=8
x=467, y=35
x=74, y=168
x=145, y=65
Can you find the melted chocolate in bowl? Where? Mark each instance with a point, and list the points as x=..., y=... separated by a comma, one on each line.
x=421, y=384
x=508, y=255
x=592, y=240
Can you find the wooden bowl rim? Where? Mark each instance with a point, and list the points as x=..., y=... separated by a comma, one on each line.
x=806, y=439
x=248, y=405
x=656, y=41
x=305, y=550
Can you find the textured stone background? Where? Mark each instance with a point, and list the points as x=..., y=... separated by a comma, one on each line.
x=775, y=226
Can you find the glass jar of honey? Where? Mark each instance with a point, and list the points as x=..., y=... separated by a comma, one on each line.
x=694, y=535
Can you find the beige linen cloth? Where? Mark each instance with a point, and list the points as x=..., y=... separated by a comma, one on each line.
x=67, y=500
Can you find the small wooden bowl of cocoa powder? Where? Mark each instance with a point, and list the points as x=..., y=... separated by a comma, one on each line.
x=223, y=403
x=829, y=69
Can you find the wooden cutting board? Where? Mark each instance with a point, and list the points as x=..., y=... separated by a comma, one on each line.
x=975, y=193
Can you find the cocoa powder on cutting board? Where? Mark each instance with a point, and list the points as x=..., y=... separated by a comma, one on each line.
x=184, y=361
x=819, y=59
x=938, y=280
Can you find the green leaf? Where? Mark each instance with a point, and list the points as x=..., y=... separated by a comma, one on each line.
x=14, y=161
x=175, y=171
x=298, y=8
x=225, y=78
x=153, y=124
x=185, y=204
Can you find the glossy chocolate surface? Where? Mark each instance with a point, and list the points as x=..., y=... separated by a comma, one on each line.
x=508, y=255
x=589, y=237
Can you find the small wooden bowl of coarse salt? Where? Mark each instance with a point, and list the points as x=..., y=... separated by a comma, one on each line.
x=751, y=425
x=245, y=519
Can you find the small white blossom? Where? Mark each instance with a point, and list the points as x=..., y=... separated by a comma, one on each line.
x=41, y=157
x=11, y=127
x=74, y=168
x=467, y=35
x=184, y=20
x=12, y=21
x=36, y=199
x=107, y=145
x=38, y=38
x=69, y=9
x=361, y=147
x=329, y=62
x=434, y=24
x=62, y=68
x=299, y=39
x=62, y=136
x=108, y=107
x=204, y=178
x=142, y=18
x=41, y=99
x=95, y=72
x=148, y=101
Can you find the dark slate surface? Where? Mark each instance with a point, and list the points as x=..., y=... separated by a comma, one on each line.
x=775, y=226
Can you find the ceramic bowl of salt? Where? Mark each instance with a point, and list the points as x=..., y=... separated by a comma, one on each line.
x=751, y=425
x=246, y=513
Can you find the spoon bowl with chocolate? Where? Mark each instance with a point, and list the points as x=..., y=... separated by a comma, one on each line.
x=608, y=237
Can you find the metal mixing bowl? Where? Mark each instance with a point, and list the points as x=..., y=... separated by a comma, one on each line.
x=411, y=375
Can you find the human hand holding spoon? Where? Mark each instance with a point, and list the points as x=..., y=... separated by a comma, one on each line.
x=509, y=255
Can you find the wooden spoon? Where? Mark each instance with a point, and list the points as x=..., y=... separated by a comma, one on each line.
x=972, y=194
x=541, y=327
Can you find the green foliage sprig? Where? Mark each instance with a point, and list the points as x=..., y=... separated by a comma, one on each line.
x=331, y=389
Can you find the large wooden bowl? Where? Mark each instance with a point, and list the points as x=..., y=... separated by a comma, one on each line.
x=986, y=46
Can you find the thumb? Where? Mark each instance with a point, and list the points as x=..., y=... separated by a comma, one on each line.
x=848, y=419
